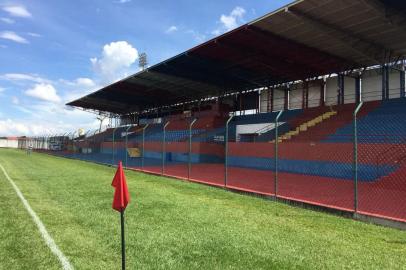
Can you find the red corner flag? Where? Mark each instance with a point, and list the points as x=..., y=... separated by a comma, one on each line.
x=121, y=195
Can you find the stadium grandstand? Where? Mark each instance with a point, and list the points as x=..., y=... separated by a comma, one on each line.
x=306, y=104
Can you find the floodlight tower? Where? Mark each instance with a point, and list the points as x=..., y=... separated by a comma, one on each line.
x=143, y=61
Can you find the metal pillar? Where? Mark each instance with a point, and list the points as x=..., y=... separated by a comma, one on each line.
x=94, y=141
x=358, y=89
x=385, y=82
x=305, y=95
x=340, y=85
x=402, y=80
x=286, y=99
x=226, y=151
x=143, y=147
x=276, y=153
x=163, y=148
x=189, y=168
x=355, y=165
x=322, y=94
x=271, y=99
x=126, y=146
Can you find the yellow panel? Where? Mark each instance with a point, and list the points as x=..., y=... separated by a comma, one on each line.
x=134, y=152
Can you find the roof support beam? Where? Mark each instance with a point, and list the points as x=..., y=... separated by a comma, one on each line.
x=157, y=84
x=98, y=104
x=365, y=48
x=266, y=35
x=392, y=16
x=220, y=70
x=187, y=72
x=259, y=57
x=159, y=79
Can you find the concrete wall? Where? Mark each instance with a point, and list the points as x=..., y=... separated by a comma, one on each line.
x=5, y=143
x=278, y=100
x=371, y=89
x=314, y=94
x=263, y=101
x=295, y=97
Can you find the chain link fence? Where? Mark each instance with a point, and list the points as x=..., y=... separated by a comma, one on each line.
x=350, y=157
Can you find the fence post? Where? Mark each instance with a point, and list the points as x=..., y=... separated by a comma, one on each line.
x=189, y=166
x=126, y=146
x=163, y=148
x=402, y=80
x=94, y=147
x=276, y=153
x=355, y=165
x=46, y=143
x=66, y=144
x=143, y=146
x=226, y=151
x=113, y=160
x=75, y=146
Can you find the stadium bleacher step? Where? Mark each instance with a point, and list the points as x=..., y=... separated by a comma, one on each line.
x=305, y=126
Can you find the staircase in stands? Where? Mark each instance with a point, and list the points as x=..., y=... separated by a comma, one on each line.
x=306, y=125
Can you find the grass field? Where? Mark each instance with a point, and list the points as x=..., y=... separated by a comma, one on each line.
x=173, y=225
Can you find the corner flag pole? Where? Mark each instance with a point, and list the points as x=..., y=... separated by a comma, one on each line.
x=120, y=202
x=122, y=241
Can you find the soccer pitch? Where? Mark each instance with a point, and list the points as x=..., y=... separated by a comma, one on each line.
x=171, y=224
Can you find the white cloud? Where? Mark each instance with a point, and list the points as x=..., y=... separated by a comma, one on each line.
x=10, y=35
x=34, y=34
x=171, y=29
x=198, y=37
x=17, y=11
x=12, y=128
x=78, y=88
x=45, y=112
x=2, y=89
x=231, y=21
x=123, y=1
x=85, y=82
x=117, y=58
x=60, y=121
x=15, y=100
x=7, y=20
x=44, y=92
x=238, y=12
x=23, y=77
x=23, y=109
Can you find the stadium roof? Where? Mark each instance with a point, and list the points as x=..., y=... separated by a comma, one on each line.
x=299, y=41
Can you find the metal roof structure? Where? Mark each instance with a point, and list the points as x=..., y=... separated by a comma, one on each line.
x=304, y=39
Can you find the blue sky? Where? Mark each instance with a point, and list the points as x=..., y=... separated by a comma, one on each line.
x=52, y=52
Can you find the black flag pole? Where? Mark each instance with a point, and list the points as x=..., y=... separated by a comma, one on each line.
x=122, y=240
x=120, y=202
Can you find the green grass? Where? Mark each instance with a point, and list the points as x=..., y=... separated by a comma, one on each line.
x=173, y=225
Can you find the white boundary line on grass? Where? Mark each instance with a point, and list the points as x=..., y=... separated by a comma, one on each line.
x=44, y=233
